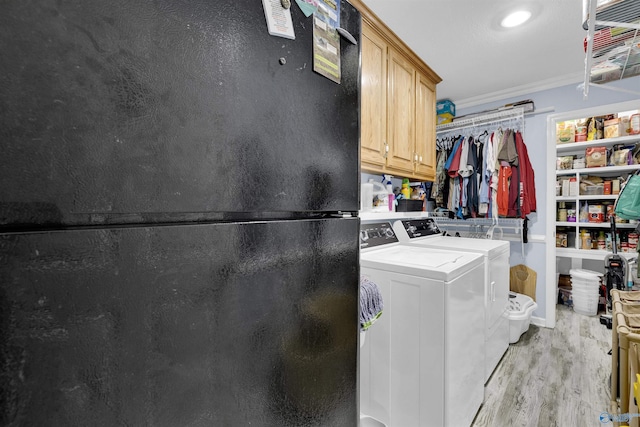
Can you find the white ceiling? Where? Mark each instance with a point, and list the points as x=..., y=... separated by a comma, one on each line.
x=479, y=61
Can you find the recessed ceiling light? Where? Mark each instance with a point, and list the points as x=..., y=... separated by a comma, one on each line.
x=516, y=18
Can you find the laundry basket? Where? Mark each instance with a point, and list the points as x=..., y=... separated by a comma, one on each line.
x=626, y=350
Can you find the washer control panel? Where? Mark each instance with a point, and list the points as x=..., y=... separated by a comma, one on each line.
x=420, y=227
x=376, y=234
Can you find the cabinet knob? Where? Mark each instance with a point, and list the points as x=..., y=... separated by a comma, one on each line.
x=420, y=159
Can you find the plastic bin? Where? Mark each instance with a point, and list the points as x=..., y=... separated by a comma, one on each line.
x=581, y=274
x=408, y=205
x=585, y=284
x=587, y=306
x=594, y=190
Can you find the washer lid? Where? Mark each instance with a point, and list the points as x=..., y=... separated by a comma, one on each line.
x=425, y=232
x=483, y=246
x=432, y=263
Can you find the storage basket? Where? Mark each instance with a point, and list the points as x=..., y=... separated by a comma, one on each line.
x=409, y=205
x=625, y=342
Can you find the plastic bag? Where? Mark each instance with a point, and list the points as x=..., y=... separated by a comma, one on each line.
x=596, y=157
x=628, y=203
x=622, y=157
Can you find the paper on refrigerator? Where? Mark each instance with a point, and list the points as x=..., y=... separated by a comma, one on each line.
x=279, y=22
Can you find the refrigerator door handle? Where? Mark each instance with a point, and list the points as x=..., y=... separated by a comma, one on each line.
x=347, y=35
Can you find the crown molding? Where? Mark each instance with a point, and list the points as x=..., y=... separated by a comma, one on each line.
x=526, y=89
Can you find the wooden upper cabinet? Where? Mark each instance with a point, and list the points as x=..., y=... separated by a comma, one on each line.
x=401, y=114
x=373, y=131
x=398, y=104
x=425, y=127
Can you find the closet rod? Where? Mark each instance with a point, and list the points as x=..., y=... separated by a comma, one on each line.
x=485, y=119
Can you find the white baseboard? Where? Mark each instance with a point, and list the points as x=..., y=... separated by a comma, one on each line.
x=539, y=321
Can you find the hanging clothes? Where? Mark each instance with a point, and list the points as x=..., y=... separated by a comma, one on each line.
x=502, y=195
x=453, y=162
x=464, y=171
x=484, y=193
x=497, y=138
x=437, y=190
x=522, y=200
x=485, y=174
x=508, y=151
x=472, y=181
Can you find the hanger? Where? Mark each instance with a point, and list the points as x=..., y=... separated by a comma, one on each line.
x=482, y=136
x=493, y=228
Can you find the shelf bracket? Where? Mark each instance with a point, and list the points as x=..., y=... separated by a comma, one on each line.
x=589, y=58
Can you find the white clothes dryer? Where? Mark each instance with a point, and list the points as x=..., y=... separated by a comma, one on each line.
x=422, y=363
x=424, y=232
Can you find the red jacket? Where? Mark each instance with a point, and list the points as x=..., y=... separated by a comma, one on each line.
x=522, y=194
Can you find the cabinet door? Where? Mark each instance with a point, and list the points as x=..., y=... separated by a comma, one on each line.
x=374, y=98
x=425, y=167
x=401, y=113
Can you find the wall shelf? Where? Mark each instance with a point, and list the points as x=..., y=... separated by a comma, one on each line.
x=594, y=225
x=608, y=170
x=593, y=254
x=579, y=147
x=585, y=197
x=576, y=201
x=613, y=35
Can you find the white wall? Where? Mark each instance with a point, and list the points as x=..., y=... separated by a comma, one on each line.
x=562, y=99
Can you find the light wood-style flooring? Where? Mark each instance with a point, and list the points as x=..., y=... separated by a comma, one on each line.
x=552, y=377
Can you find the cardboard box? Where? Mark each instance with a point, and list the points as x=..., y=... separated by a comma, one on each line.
x=573, y=187
x=526, y=105
x=564, y=281
x=565, y=132
x=444, y=118
x=445, y=106
x=596, y=213
x=615, y=128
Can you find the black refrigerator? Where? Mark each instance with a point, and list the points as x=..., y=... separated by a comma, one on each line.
x=178, y=217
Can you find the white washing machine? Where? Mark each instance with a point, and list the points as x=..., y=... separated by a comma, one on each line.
x=422, y=363
x=425, y=232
